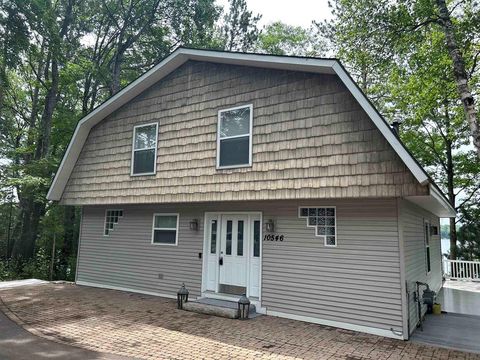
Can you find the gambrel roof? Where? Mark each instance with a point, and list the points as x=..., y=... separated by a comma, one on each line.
x=436, y=201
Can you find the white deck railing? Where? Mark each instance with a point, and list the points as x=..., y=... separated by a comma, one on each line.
x=461, y=269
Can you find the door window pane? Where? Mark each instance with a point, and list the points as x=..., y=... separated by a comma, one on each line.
x=228, y=246
x=235, y=151
x=213, y=237
x=240, y=238
x=256, y=238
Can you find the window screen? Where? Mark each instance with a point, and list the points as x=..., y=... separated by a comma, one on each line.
x=234, y=137
x=144, y=149
x=165, y=229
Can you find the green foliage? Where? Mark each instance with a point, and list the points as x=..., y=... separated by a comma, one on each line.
x=239, y=31
x=58, y=61
x=397, y=51
x=469, y=235
x=283, y=39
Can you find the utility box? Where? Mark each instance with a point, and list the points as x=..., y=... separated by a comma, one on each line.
x=428, y=298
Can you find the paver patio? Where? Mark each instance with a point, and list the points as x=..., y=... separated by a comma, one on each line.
x=151, y=327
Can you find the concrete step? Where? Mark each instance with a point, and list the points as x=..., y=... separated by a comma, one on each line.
x=222, y=308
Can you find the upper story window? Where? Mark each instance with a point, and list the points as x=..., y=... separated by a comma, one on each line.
x=234, y=138
x=144, y=150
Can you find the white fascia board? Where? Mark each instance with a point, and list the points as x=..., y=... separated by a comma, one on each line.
x=323, y=66
x=438, y=196
x=384, y=128
x=435, y=202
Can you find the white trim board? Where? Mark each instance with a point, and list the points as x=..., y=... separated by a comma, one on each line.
x=182, y=55
x=338, y=324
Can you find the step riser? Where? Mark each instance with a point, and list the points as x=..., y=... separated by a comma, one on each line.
x=227, y=309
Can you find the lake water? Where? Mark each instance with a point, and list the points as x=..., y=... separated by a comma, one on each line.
x=445, y=246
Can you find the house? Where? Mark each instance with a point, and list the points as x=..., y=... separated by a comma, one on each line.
x=272, y=176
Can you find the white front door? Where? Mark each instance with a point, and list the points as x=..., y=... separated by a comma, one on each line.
x=233, y=255
x=232, y=262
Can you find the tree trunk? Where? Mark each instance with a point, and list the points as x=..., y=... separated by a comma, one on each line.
x=451, y=199
x=116, y=72
x=453, y=239
x=32, y=210
x=460, y=73
x=69, y=225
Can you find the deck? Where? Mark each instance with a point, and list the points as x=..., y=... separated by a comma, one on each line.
x=459, y=327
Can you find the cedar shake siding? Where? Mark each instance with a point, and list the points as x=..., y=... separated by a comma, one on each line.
x=311, y=139
x=357, y=282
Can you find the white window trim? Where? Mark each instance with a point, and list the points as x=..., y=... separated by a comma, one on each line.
x=105, y=219
x=235, y=136
x=149, y=148
x=426, y=232
x=176, y=229
x=312, y=226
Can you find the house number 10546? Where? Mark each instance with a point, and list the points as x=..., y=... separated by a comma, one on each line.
x=273, y=237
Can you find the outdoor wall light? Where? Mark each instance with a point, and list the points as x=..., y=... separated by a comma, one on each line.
x=270, y=226
x=194, y=225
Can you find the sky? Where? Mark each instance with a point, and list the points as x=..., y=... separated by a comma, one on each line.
x=298, y=12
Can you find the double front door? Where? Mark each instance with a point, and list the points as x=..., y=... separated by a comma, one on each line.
x=233, y=260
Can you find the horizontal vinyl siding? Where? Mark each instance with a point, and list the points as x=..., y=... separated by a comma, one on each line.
x=126, y=258
x=412, y=221
x=311, y=139
x=357, y=282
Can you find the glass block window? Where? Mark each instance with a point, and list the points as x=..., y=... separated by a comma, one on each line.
x=234, y=139
x=323, y=220
x=165, y=229
x=111, y=218
x=144, y=152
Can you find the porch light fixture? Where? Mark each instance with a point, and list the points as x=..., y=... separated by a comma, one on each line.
x=182, y=296
x=194, y=225
x=243, y=307
x=270, y=226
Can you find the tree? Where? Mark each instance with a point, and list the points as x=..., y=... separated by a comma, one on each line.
x=282, y=39
x=469, y=235
x=424, y=92
x=239, y=30
x=58, y=61
x=385, y=31
x=399, y=53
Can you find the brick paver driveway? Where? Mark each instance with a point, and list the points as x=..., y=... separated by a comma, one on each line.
x=150, y=327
